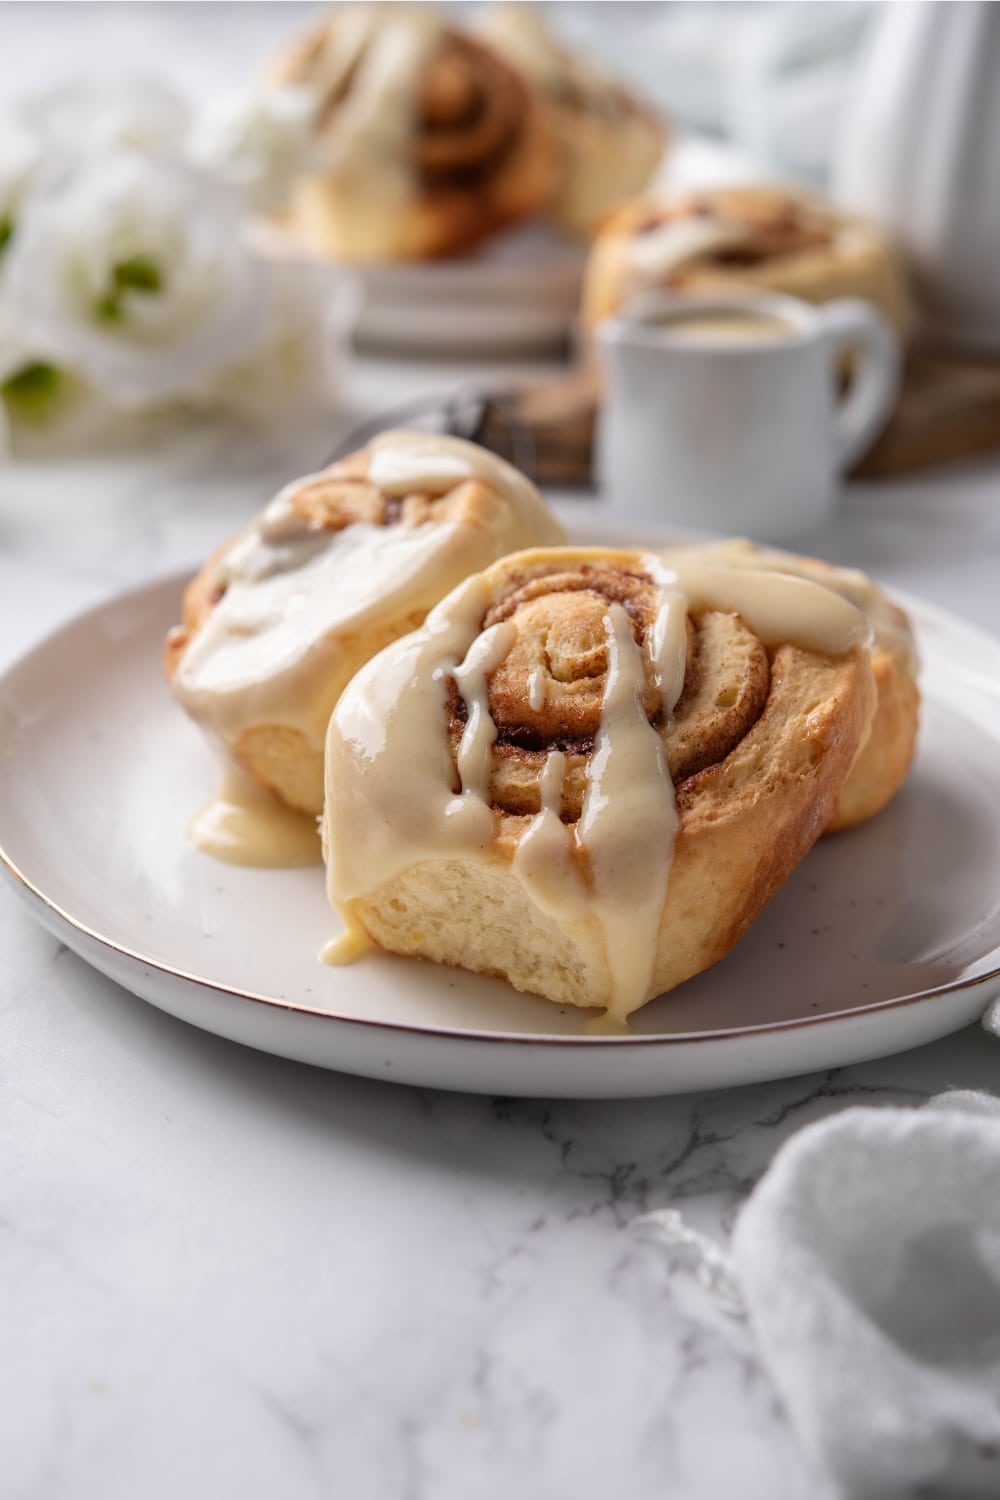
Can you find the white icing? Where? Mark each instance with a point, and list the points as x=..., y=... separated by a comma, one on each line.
x=657, y=254
x=628, y=823
x=548, y=864
x=668, y=644
x=543, y=858
x=271, y=650
x=889, y=626
x=521, y=35
x=402, y=462
x=653, y=256
x=776, y=606
x=372, y=65
x=391, y=798
x=244, y=825
x=485, y=654
x=284, y=605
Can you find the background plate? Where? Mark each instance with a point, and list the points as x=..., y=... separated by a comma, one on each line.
x=884, y=938
x=518, y=294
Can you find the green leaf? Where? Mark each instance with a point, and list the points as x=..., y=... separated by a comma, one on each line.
x=108, y=308
x=136, y=274
x=6, y=231
x=31, y=390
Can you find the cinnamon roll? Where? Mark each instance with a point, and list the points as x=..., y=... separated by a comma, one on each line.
x=336, y=566
x=742, y=239
x=589, y=770
x=611, y=142
x=882, y=762
x=427, y=142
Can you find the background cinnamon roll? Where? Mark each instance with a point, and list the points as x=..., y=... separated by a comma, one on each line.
x=427, y=141
x=742, y=239
x=610, y=141
x=337, y=565
x=592, y=770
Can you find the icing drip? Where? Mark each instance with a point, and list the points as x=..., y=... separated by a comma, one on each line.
x=544, y=860
x=668, y=646
x=628, y=823
x=244, y=825
x=386, y=750
x=486, y=653
x=346, y=946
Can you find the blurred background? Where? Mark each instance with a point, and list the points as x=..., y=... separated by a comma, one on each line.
x=769, y=76
x=187, y=191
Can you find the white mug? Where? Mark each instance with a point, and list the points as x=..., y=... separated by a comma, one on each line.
x=726, y=413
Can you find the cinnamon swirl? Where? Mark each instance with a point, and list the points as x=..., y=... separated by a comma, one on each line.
x=592, y=769
x=742, y=239
x=337, y=565
x=610, y=141
x=884, y=759
x=428, y=142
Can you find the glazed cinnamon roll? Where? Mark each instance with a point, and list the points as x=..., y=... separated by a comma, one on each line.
x=337, y=565
x=884, y=759
x=427, y=141
x=611, y=142
x=592, y=769
x=742, y=239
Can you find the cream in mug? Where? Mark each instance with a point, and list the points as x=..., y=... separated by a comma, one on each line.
x=729, y=328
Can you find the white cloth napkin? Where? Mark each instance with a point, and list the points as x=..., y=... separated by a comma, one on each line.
x=868, y=1262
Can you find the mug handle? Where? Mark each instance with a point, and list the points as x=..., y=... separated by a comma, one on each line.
x=857, y=329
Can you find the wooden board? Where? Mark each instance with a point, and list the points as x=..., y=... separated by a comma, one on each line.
x=949, y=409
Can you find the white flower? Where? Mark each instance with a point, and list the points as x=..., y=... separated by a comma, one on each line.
x=133, y=274
x=294, y=367
x=20, y=155
x=13, y=350
x=35, y=396
x=136, y=114
x=259, y=142
x=12, y=358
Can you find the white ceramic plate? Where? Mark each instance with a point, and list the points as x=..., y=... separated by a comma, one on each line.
x=518, y=294
x=883, y=939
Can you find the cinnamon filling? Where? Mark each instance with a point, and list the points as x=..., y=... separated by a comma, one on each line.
x=547, y=694
x=343, y=495
x=753, y=228
x=464, y=111
x=470, y=112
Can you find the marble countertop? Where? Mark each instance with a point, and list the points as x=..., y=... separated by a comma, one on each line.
x=222, y=1273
